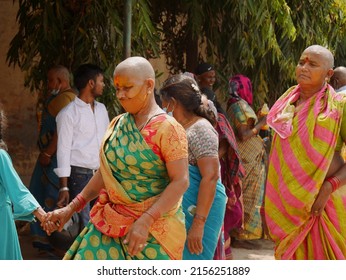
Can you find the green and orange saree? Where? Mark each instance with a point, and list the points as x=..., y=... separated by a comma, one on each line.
x=134, y=177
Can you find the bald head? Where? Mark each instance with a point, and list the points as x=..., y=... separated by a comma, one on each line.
x=136, y=66
x=314, y=69
x=323, y=53
x=61, y=72
x=338, y=79
x=58, y=79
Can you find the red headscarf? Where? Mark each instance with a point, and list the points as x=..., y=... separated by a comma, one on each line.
x=241, y=85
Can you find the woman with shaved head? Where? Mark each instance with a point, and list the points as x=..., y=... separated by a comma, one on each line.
x=338, y=80
x=305, y=201
x=141, y=180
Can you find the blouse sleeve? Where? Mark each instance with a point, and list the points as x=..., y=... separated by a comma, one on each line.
x=166, y=137
x=203, y=140
x=22, y=200
x=173, y=141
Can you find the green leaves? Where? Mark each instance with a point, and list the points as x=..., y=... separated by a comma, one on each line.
x=261, y=39
x=75, y=32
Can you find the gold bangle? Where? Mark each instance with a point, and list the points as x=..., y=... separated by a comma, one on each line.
x=254, y=131
x=155, y=214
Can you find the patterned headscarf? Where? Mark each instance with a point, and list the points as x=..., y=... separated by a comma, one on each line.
x=240, y=85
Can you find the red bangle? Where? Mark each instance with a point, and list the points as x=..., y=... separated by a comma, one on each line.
x=80, y=202
x=334, y=181
x=262, y=210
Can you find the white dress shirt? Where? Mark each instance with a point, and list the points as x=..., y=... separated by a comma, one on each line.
x=341, y=89
x=80, y=132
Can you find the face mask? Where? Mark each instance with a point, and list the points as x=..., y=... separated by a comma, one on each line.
x=168, y=113
x=55, y=91
x=135, y=104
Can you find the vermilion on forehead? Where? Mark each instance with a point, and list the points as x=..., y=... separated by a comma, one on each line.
x=121, y=80
x=124, y=80
x=313, y=57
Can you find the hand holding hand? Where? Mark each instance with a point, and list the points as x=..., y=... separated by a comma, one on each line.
x=56, y=219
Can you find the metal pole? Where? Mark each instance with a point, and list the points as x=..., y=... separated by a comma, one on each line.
x=127, y=29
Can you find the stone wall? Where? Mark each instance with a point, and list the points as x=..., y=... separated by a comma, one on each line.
x=17, y=101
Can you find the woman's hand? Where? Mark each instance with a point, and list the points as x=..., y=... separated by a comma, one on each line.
x=56, y=219
x=138, y=234
x=321, y=199
x=41, y=215
x=195, y=236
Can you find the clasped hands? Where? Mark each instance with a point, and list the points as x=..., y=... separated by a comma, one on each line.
x=135, y=239
x=55, y=220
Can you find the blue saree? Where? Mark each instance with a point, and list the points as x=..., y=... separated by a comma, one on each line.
x=214, y=220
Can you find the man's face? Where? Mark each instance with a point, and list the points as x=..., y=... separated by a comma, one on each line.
x=207, y=79
x=99, y=86
x=53, y=81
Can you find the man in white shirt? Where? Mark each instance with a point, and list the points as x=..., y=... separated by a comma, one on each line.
x=338, y=80
x=81, y=126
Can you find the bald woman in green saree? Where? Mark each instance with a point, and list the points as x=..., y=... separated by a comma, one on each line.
x=143, y=175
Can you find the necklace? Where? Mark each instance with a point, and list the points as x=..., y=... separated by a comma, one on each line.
x=147, y=120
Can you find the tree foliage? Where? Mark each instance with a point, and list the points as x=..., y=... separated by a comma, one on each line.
x=261, y=39
x=74, y=32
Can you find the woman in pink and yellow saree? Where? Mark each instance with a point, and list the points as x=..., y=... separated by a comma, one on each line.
x=305, y=201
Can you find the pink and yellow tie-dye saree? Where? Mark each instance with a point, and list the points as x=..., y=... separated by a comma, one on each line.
x=301, y=153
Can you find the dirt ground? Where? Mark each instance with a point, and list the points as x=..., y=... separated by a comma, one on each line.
x=261, y=249
x=255, y=250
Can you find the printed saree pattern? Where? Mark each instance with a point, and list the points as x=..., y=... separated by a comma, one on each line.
x=134, y=178
x=297, y=169
x=252, y=154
